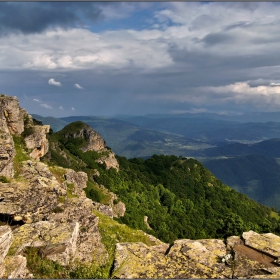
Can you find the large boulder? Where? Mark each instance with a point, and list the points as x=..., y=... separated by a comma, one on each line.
x=185, y=259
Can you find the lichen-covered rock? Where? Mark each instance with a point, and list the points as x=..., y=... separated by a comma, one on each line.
x=89, y=245
x=109, y=160
x=6, y=239
x=79, y=179
x=267, y=242
x=12, y=113
x=7, y=150
x=57, y=241
x=33, y=199
x=37, y=142
x=15, y=267
x=185, y=259
x=104, y=209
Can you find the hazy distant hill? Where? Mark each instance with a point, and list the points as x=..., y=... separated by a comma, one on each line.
x=131, y=140
x=251, y=168
x=269, y=147
x=209, y=127
x=257, y=176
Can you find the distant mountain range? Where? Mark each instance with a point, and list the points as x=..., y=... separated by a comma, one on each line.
x=243, y=155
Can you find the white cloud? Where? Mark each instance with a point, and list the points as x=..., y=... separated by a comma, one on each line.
x=275, y=84
x=60, y=107
x=46, y=106
x=78, y=86
x=53, y=82
x=72, y=108
x=36, y=100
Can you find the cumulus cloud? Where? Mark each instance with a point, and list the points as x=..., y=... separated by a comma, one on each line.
x=53, y=82
x=46, y=106
x=78, y=86
x=196, y=60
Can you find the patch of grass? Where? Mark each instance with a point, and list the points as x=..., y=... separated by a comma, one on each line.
x=90, y=271
x=70, y=190
x=28, y=131
x=96, y=194
x=21, y=154
x=44, y=268
x=4, y=179
x=113, y=232
x=58, y=173
x=274, y=215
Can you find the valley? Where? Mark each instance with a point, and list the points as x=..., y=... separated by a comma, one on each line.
x=241, y=151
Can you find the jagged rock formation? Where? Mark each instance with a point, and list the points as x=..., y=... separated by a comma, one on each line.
x=45, y=211
x=37, y=141
x=94, y=142
x=12, y=113
x=13, y=121
x=253, y=256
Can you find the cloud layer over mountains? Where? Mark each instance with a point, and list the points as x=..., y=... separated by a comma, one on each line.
x=138, y=58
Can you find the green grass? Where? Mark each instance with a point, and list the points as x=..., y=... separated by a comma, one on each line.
x=44, y=268
x=21, y=154
x=70, y=189
x=274, y=215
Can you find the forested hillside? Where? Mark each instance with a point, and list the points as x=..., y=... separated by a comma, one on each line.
x=180, y=197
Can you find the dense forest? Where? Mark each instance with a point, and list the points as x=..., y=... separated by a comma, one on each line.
x=180, y=197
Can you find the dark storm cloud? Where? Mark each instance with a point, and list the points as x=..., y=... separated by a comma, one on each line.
x=34, y=17
x=218, y=38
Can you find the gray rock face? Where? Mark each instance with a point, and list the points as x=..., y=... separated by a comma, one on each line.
x=6, y=239
x=10, y=266
x=9, y=125
x=37, y=141
x=13, y=114
x=34, y=198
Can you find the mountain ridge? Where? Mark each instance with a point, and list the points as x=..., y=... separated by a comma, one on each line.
x=56, y=207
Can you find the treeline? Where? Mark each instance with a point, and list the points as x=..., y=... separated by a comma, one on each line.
x=180, y=197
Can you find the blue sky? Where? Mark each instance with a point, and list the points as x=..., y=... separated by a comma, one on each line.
x=109, y=58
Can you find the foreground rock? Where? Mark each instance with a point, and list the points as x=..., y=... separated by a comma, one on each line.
x=206, y=258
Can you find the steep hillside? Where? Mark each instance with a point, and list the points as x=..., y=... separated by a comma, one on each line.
x=178, y=196
x=71, y=208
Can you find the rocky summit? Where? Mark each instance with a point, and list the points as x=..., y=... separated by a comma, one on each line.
x=45, y=208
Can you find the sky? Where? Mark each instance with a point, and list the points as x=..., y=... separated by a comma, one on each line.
x=137, y=58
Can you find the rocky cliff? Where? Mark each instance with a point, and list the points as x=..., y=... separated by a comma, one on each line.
x=93, y=142
x=45, y=207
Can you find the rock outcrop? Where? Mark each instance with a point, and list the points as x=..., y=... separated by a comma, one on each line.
x=13, y=115
x=14, y=121
x=206, y=258
x=94, y=142
x=11, y=123
x=37, y=141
